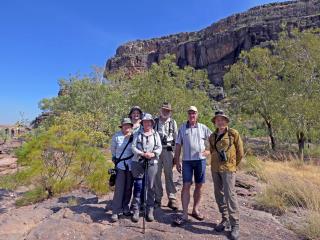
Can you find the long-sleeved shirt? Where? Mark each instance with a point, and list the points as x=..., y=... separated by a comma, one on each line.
x=163, y=128
x=143, y=143
x=119, y=141
x=231, y=143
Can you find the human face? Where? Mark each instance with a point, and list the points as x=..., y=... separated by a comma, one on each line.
x=147, y=125
x=135, y=115
x=192, y=117
x=126, y=128
x=221, y=122
x=165, y=113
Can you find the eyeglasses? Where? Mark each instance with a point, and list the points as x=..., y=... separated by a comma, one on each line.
x=192, y=113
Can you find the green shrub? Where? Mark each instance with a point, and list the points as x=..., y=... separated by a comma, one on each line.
x=30, y=197
x=166, y=82
x=8, y=182
x=60, y=159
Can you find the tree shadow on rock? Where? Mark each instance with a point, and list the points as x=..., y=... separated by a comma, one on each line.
x=97, y=214
x=87, y=205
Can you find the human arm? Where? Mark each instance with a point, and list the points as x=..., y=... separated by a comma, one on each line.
x=239, y=148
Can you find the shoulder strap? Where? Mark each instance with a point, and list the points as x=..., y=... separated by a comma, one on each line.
x=156, y=125
x=129, y=141
x=154, y=140
x=219, y=138
x=171, y=126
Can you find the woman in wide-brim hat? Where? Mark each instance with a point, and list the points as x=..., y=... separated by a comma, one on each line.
x=135, y=114
x=146, y=146
x=121, y=150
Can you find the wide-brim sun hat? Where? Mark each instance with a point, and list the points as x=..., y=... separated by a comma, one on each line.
x=220, y=113
x=135, y=108
x=147, y=117
x=125, y=121
x=166, y=106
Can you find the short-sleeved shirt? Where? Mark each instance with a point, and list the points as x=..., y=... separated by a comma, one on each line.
x=193, y=140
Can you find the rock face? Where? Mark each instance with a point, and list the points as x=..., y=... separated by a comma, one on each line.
x=218, y=45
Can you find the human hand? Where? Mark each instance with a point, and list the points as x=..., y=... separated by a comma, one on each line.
x=206, y=153
x=149, y=155
x=178, y=167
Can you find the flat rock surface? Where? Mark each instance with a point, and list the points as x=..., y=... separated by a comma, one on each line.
x=82, y=215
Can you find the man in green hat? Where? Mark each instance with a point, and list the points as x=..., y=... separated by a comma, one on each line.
x=166, y=126
x=226, y=150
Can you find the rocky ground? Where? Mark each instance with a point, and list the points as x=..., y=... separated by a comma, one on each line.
x=7, y=158
x=83, y=215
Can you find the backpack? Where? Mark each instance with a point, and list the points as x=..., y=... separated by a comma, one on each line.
x=171, y=125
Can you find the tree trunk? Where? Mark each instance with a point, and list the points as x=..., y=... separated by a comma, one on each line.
x=301, y=142
x=271, y=135
x=50, y=192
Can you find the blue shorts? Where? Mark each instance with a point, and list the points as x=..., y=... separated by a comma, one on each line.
x=196, y=168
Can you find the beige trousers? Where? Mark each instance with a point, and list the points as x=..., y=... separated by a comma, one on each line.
x=165, y=163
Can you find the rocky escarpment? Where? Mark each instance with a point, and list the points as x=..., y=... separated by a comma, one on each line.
x=218, y=45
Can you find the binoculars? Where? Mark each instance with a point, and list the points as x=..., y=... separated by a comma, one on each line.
x=223, y=156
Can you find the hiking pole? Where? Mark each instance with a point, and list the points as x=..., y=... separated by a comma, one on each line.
x=145, y=192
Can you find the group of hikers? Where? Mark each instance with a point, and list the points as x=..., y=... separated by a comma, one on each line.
x=146, y=146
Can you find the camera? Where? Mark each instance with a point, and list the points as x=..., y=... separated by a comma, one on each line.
x=223, y=156
x=113, y=174
x=112, y=171
x=164, y=141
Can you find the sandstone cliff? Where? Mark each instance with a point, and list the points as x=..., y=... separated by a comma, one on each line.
x=218, y=45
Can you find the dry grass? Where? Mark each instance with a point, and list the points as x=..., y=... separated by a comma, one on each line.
x=291, y=185
x=253, y=166
x=311, y=228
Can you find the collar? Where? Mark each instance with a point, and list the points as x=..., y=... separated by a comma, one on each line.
x=142, y=131
x=188, y=124
x=217, y=130
x=167, y=120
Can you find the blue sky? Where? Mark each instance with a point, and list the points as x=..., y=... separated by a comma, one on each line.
x=44, y=41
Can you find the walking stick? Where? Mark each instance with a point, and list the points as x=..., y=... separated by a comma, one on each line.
x=145, y=192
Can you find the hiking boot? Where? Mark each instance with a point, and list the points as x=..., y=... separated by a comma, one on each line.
x=127, y=213
x=173, y=204
x=224, y=225
x=235, y=233
x=150, y=216
x=135, y=216
x=114, y=218
x=142, y=208
x=157, y=204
